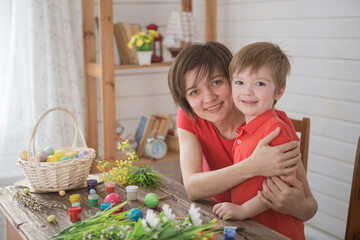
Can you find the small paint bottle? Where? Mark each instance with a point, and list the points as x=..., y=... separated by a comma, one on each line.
x=91, y=184
x=93, y=200
x=75, y=214
x=110, y=186
x=131, y=192
x=229, y=233
x=105, y=205
x=74, y=198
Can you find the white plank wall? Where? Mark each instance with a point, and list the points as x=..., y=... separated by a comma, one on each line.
x=323, y=39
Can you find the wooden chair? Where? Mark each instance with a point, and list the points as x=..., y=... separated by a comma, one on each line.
x=353, y=221
x=303, y=126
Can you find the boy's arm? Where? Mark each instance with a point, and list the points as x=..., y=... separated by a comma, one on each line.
x=240, y=212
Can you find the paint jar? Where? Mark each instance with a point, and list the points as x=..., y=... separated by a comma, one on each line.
x=229, y=233
x=105, y=205
x=75, y=214
x=91, y=184
x=74, y=198
x=93, y=200
x=131, y=192
x=110, y=187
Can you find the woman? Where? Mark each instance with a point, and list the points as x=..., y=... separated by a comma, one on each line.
x=200, y=84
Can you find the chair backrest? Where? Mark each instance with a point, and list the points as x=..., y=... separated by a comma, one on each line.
x=353, y=221
x=303, y=126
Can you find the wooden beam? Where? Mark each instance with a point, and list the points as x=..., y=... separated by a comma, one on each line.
x=94, y=70
x=90, y=92
x=210, y=20
x=107, y=79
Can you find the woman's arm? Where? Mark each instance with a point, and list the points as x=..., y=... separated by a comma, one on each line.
x=281, y=160
x=296, y=200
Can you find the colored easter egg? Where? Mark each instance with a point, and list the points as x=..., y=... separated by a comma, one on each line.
x=134, y=214
x=76, y=204
x=83, y=154
x=151, y=200
x=42, y=156
x=51, y=218
x=23, y=155
x=52, y=158
x=75, y=156
x=114, y=198
x=59, y=154
x=62, y=193
x=49, y=150
x=26, y=191
x=92, y=191
x=70, y=154
x=64, y=158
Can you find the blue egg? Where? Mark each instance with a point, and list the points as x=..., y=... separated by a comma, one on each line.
x=134, y=214
x=75, y=156
x=92, y=191
x=49, y=150
x=76, y=204
x=64, y=158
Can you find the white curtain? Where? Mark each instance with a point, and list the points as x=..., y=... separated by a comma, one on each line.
x=41, y=67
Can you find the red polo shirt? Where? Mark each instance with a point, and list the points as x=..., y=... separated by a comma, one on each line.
x=249, y=136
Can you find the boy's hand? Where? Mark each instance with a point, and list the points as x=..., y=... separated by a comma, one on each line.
x=225, y=210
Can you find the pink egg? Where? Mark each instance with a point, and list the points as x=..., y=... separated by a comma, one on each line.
x=114, y=198
x=23, y=155
x=42, y=156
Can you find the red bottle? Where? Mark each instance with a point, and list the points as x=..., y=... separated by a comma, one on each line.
x=75, y=214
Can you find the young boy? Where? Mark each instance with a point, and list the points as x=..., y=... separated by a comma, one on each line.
x=258, y=78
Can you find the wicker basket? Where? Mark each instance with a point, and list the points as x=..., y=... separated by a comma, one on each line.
x=56, y=176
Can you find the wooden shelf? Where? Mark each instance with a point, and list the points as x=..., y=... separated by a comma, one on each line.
x=162, y=64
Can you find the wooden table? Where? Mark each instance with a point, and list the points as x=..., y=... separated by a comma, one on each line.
x=24, y=224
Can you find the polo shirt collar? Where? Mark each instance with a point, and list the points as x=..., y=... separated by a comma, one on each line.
x=257, y=122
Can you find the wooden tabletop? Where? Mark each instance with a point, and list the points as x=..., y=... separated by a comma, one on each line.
x=34, y=225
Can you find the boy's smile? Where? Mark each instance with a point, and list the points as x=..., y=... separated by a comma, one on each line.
x=254, y=92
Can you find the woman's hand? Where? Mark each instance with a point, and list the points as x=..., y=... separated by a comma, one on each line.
x=275, y=160
x=287, y=195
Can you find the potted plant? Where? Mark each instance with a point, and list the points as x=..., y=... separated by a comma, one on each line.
x=143, y=43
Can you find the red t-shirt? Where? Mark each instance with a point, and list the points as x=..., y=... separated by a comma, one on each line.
x=249, y=136
x=217, y=151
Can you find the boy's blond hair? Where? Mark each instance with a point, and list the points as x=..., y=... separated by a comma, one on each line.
x=259, y=54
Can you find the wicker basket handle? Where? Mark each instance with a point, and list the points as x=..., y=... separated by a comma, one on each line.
x=33, y=133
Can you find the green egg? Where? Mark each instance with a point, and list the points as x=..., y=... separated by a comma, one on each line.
x=51, y=218
x=151, y=200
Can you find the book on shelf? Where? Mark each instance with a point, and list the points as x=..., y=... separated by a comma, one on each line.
x=154, y=126
x=123, y=32
x=117, y=60
x=141, y=148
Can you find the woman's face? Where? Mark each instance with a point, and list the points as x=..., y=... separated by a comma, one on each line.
x=210, y=100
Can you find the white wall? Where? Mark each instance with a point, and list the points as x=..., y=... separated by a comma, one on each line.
x=323, y=38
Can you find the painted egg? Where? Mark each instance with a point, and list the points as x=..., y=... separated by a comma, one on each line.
x=23, y=155
x=59, y=154
x=52, y=158
x=64, y=158
x=49, y=150
x=83, y=154
x=42, y=156
x=134, y=214
x=151, y=200
x=113, y=198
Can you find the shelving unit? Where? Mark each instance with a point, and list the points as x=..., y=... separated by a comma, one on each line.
x=104, y=70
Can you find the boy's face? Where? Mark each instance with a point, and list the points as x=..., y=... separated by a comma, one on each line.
x=254, y=93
